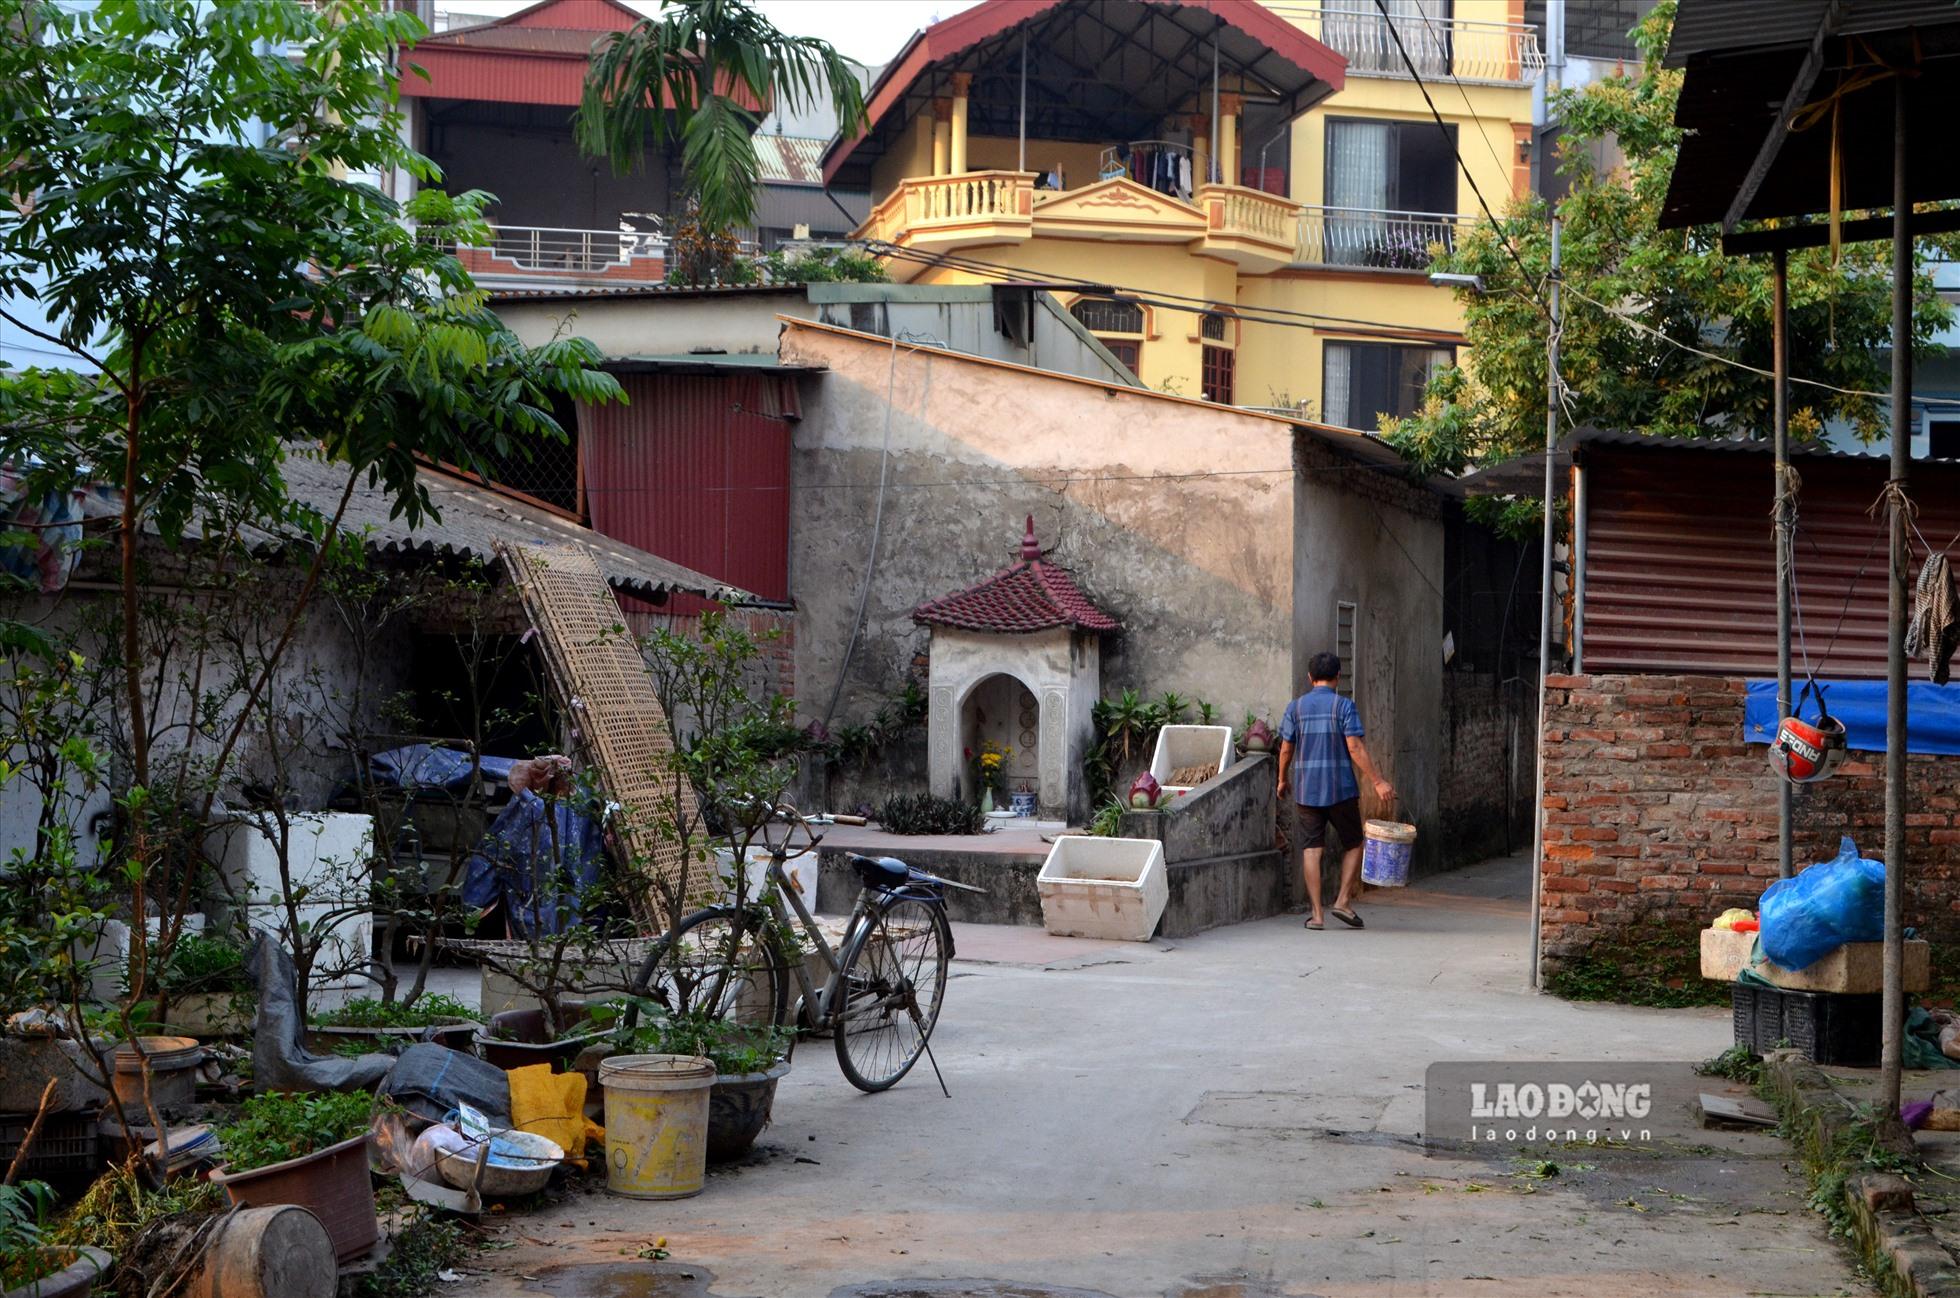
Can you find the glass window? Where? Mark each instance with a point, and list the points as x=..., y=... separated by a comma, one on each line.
x=1220, y=365
x=1362, y=382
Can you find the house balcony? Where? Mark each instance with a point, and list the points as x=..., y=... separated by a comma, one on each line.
x=1492, y=53
x=1362, y=239
x=534, y=256
x=1254, y=229
x=940, y=213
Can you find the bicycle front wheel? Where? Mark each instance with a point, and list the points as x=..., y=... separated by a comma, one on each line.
x=723, y=964
x=893, y=979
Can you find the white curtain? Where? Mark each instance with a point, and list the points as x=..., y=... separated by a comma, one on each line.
x=1360, y=159
x=1334, y=383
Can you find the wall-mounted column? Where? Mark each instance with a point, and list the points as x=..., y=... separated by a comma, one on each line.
x=1229, y=107
x=962, y=83
x=1200, y=149
x=942, y=136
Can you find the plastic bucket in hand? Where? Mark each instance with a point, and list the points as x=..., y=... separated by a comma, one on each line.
x=656, y=1124
x=1385, y=859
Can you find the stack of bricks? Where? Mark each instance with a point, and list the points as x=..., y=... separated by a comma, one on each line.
x=1657, y=814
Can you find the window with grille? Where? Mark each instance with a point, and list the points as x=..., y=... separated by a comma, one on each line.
x=544, y=469
x=1117, y=325
x=1108, y=315
x=1345, y=623
x=1212, y=326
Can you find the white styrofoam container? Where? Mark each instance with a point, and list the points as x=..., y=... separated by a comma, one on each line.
x=330, y=855
x=1189, y=746
x=349, y=941
x=1103, y=887
x=107, y=957
x=801, y=872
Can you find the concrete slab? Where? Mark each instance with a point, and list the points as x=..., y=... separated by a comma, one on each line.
x=1233, y=1115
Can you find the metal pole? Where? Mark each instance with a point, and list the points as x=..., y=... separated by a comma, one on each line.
x=1578, y=569
x=1784, y=520
x=1893, y=1002
x=1545, y=600
x=1021, y=162
x=1212, y=168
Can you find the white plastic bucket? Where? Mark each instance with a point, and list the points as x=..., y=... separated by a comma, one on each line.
x=656, y=1124
x=1385, y=859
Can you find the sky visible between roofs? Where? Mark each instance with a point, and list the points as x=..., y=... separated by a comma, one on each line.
x=870, y=31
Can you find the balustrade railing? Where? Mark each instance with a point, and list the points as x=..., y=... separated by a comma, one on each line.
x=1349, y=236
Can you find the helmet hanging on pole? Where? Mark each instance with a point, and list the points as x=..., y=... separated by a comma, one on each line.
x=1806, y=751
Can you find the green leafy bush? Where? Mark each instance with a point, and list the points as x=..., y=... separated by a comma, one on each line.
x=424, y=1011
x=926, y=813
x=21, y=1209
x=733, y=1048
x=279, y=1125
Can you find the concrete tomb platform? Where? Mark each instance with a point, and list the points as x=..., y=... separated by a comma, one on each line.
x=1220, y=861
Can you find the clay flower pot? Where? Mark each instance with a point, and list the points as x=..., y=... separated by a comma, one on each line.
x=738, y=1109
x=84, y=1266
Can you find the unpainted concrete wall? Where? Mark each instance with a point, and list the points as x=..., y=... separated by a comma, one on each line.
x=1175, y=516
x=1376, y=542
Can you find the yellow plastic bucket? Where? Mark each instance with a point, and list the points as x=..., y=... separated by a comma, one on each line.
x=656, y=1124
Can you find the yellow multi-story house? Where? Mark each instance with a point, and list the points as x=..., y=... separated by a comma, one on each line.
x=1241, y=200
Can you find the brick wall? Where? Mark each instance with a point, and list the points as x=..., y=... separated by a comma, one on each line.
x=773, y=630
x=1484, y=787
x=1657, y=814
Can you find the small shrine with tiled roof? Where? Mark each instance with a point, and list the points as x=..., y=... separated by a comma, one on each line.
x=1016, y=660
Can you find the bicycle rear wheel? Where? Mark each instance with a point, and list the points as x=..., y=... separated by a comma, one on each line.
x=894, y=976
x=724, y=964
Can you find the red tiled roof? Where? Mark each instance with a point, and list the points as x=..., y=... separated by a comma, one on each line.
x=1031, y=595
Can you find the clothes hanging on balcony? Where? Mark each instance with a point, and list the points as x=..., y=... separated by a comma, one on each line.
x=1164, y=168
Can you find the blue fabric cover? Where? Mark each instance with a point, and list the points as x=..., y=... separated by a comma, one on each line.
x=538, y=858
x=424, y=766
x=1932, y=714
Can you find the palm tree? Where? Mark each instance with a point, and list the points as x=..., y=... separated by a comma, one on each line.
x=690, y=74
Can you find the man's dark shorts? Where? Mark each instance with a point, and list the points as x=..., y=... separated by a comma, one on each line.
x=1345, y=817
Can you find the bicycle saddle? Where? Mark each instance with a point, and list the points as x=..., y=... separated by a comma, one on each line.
x=881, y=871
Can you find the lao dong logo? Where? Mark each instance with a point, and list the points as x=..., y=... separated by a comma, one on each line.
x=1586, y=1112
x=1491, y=1104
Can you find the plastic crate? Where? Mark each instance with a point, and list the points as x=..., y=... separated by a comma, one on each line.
x=67, y=1143
x=1824, y=1027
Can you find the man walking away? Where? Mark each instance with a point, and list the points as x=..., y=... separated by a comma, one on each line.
x=1320, y=745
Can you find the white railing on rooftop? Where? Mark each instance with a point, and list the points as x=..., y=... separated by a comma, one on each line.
x=1468, y=49
x=556, y=250
x=1350, y=236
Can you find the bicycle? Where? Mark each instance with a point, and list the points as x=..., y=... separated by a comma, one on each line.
x=886, y=978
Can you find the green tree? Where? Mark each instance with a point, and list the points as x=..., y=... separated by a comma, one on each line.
x=694, y=74
x=182, y=200
x=1639, y=297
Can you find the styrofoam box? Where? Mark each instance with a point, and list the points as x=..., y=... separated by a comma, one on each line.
x=1103, y=887
x=107, y=958
x=802, y=875
x=1189, y=746
x=330, y=854
x=350, y=941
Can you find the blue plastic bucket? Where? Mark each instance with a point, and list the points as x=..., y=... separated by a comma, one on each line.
x=1385, y=859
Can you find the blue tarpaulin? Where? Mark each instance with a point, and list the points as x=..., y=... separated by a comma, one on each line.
x=424, y=766
x=1932, y=714
x=541, y=860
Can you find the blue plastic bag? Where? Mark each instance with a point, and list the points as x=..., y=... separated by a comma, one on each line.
x=1807, y=917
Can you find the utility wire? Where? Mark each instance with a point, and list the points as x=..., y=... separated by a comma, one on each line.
x=1442, y=126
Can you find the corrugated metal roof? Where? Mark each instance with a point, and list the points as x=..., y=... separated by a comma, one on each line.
x=789, y=159
x=474, y=519
x=704, y=362
x=1681, y=563
x=1713, y=26
x=1525, y=476
x=570, y=293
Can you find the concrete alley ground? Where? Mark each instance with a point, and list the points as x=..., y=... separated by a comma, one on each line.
x=1233, y=1115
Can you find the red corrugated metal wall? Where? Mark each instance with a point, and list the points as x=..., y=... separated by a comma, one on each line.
x=696, y=469
x=1681, y=563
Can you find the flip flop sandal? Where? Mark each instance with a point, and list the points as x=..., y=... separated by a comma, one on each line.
x=1315, y=927
x=1348, y=918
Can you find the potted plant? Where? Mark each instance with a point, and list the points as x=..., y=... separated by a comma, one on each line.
x=749, y=1060
x=309, y=1150
x=371, y=1024
x=518, y=1038
x=31, y=1269
x=208, y=992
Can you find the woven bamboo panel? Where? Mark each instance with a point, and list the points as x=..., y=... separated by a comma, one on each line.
x=620, y=727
